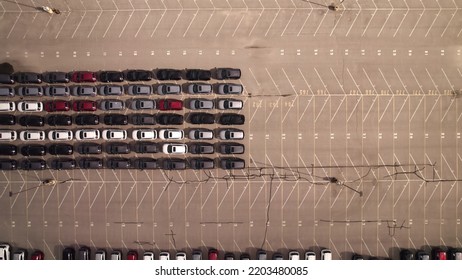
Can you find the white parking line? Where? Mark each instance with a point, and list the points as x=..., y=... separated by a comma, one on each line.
x=239, y=24
x=353, y=111
x=420, y=17
x=96, y=196
x=157, y=25
x=259, y=16
x=304, y=23
x=385, y=23
x=335, y=76
x=386, y=108
x=107, y=29
x=92, y=28
x=322, y=108
x=336, y=23
x=116, y=188
x=434, y=20
x=370, y=81
x=126, y=23
x=402, y=20
x=221, y=26
x=402, y=107
x=81, y=194
x=319, y=26
x=272, y=22
x=148, y=188
x=453, y=15
x=142, y=23
x=174, y=23
x=290, y=20
x=383, y=76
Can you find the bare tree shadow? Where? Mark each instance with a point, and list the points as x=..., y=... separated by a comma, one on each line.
x=322, y=5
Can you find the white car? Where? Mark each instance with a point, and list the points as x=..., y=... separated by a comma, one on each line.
x=32, y=135
x=164, y=256
x=87, y=134
x=144, y=134
x=171, y=134
x=114, y=134
x=181, y=256
x=116, y=256
x=7, y=106
x=4, y=252
x=60, y=135
x=8, y=135
x=30, y=106
x=326, y=255
x=148, y=256
x=310, y=255
x=171, y=148
x=294, y=256
x=231, y=134
x=229, y=103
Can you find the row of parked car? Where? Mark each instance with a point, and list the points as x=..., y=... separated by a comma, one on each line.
x=113, y=89
x=120, y=76
x=134, y=104
x=436, y=253
x=144, y=163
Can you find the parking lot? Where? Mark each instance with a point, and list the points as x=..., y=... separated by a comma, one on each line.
x=368, y=95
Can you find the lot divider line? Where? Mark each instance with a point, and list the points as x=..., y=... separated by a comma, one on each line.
x=434, y=20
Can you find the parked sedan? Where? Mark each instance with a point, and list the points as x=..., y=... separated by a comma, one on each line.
x=28, y=78
x=232, y=119
x=118, y=163
x=114, y=134
x=115, y=119
x=59, y=120
x=169, y=104
x=8, y=135
x=201, y=148
x=169, y=119
x=145, y=163
x=198, y=74
x=61, y=149
x=139, y=75
x=90, y=149
x=231, y=148
x=84, y=105
x=30, y=91
x=201, y=163
x=144, y=134
x=199, y=88
x=168, y=74
x=8, y=164
x=33, y=164
x=140, y=89
x=200, y=103
x=91, y=163
x=201, y=118
x=33, y=150
x=84, y=91
x=30, y=106
x=233, y=104
x=232, y=163
x=112, y=104
x=60, y=135
x=171, y=134
x=57, y=91
x=87, y=134
x=173, y=148
x=31, y=120
x=168, y=89
x=83, y=76
x=87, y=119
x=230, y=88
x=231, y=134
x=111, y=90
x=143, y=119
x=174, y=164
x=201, y=134
x=56, y=77
x=8, y=150
x=7, y=120
x=143, y=104
x=228, y=73
x=146, y=147
x=118, y=148
x=63, y=163
x=32, y=135
x=57, y=106
x=111, y=76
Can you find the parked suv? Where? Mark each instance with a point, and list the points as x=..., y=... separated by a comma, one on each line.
x=56, y=77
x=84, y=91
x=91, y=163
x=111, y=76
x=198, y=74
x=232, y=119
x=115, y=119
x=139, y=89
x=57, y=91
x=90, y=149
x=174, y=164
x=231, y=148
x=229, y=103
x=201, y=118
x=230, y=88
x=139, y=75
x=30, y=91
x=31, y=120
x=111, y=90
x=33, y=150
x=228, y=73
x=118, y=163
x=231, y=134
x=63, y=163
x=112, y=104
x=145, y=163
x=28, y=78
x=143, y=104
x=201, y=134
x=200, y=103
x=169, y=119
x=143, y=119
x=201, y=148
x=146, y=147
x=201, y=163
x=118, y=148
x=232, y=163
x=168, y=74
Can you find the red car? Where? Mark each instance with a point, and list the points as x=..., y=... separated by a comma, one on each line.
x=37, y=255
x=132, y=255
x=439, y=254
x=213, y=254
x=170, y=104
x=84, y=105
x=57, y=106
x=83, y=76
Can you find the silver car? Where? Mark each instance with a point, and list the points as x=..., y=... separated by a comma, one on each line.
x=57, y=91
x=84, y=91
x=139, y=89
x=168, y=89
x=111, y=90
x=231, y=134
x=199, y=88
x=230, y=88
x=229, y=103
x=200, y=103
x=143, y=104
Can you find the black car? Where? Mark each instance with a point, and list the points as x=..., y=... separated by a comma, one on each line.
x=174, y=164
x=7, y=120
x=454, y=254
x=228, y=73
x=118, y=148
x=31, y=120
x=33, y=150
x=232, y=163
x=28, y=78
x=33, y=164
x=61, y=149
x=201, y=163
x=143, y=119
x=169, y=119
x=145, y=163
x=146, y=147
x=232, y=119
x=59, y=120
x=56, y=77
x=231, y=148
x=68, y=253
x=168, y=74
x=115, y=119
x=91, y=163
x=422, y=255
x=8, y=164
x=90, y=149
x=6, y=79
x=87, y=119
x=63, y=163
x=201, y=118
x=201, y=148
x=198, y=74
x=118, y=163
x=111, y=76
x=84, y=253
x=8, y=150
x=406, y=255
x=139, y=75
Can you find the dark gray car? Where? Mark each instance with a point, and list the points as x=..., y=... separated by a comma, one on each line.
x=57, y=91
x=231, y=148
x=90, y=149
x=28, y=78
x=232, y=163
x=200, y=103
x=139, y=89
x=174, y=164
x=6, y=91
x=30, y=91
x=228, y=73
x=201, y=163
x=111, y=90
x=56, y=77
x=33, y=164
x=118, y=163
x=6, y=79
x=8, y=164
x=63, y=163
x=84, y=91
x=118, y=148
x=201, y=148
x=112, y=104
x=145, y=163
x=146, y=147
x=143, y=104
x=91, y=163
x=143, y=119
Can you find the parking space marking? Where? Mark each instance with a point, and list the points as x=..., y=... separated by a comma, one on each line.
x=338, y=108
x=418, y=21
x=256, y=22
x=174, y=23
x=191, y=22
x=116, y=188
x=434, y=20
x=370, y=81
x=353, y=111
x=337, y=22
x=402, y=107
x=335, y=76
x=239, y=24
x=160, y=20
x=272, y=22
x=319, y=26
x=126, y=23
